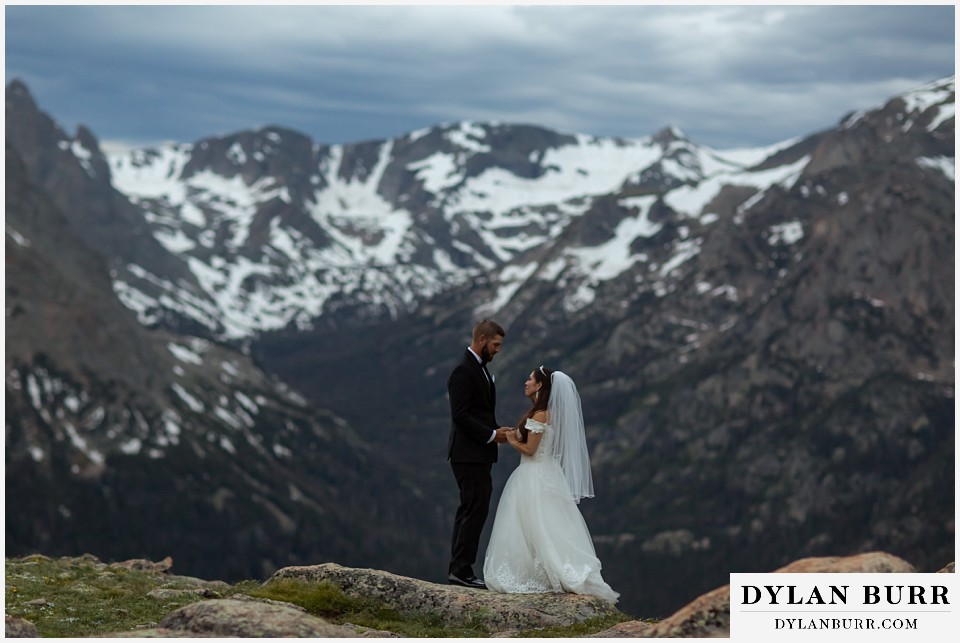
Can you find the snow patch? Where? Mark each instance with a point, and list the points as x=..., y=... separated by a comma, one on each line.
x=944, y=164
x=184, y=354
x=613, y=257
x=236, y=154
x=468, y=137
x=683, y=252
x=227, y=445
x=131, y=446
x=785, y=233
x=510, y=281
x=691, y=200
x=438, y=172
x=81, y=445
x=18, y=238
x=195, y=405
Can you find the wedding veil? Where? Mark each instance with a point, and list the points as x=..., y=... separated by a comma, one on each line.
x=570, y=442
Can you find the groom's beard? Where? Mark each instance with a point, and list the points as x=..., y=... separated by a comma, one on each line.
x=485, y=354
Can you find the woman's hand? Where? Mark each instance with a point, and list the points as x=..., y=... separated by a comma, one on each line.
x=527, y=448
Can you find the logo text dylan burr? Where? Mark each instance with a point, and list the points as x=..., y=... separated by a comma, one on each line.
x=837, y=595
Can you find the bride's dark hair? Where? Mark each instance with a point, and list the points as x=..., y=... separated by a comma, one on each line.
x=542, y=375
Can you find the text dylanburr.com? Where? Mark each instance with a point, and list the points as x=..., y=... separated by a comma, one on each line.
x=844, y=607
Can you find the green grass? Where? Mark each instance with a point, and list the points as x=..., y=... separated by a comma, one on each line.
x=78, y=597
x=71, y=599
x=327, y=601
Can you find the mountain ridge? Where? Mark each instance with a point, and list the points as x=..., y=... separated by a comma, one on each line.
x=761, y=340
x=761, y=331
x=421, y=205
x=124, y=440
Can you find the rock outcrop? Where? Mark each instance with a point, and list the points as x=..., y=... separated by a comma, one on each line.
x=628, y=630
x=876, y=562
x=19, y=628
x=708, y=616
x=455, y=605
x=250, y=619
x=503, y=615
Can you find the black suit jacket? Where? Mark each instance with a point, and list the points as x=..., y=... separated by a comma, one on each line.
x=472, y=403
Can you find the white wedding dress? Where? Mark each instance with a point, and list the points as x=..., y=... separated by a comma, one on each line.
x=539, y=541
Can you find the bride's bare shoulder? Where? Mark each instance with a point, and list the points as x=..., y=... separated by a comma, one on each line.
x=542, y=416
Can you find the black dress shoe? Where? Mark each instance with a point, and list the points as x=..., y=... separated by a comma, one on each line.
x=472, y=582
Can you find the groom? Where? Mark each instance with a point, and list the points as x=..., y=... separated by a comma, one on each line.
x=472, y=448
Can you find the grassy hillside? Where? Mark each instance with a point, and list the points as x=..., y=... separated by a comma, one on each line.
x=78, y=597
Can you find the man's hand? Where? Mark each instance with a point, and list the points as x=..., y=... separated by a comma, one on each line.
x=502, y=434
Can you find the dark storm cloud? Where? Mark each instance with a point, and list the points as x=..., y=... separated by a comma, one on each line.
x=727, y=75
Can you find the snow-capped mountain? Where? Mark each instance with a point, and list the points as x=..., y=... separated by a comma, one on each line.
x=280, y=230
x=125, y=441
x=763, y=338
x=765, y=357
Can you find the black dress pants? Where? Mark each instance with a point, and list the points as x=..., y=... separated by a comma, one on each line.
x=476, y=487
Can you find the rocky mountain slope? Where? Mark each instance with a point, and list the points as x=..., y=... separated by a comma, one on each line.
x=280, y=230
x=126, y=441
x=766, y=364
x=763, y=339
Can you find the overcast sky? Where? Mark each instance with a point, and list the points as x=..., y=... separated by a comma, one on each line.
x=728, y=76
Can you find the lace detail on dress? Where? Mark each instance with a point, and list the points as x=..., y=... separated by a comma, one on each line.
x=506, y=579
x=536, y=427
x=545, y=447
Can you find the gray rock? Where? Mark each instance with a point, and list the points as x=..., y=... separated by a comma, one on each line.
x=455, y=605
x=166, y=593
x=628, y=630
x=19, y=628
x=255, y=619
x=369, y=633
x=143, y=565
x=157, y=633
x=184, y=582
x=268, y=601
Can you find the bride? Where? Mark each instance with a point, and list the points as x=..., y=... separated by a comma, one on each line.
x=539, y=541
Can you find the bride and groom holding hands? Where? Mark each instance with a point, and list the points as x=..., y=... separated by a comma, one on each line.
x=539, y=541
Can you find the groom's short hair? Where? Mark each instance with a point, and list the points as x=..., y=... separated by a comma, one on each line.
x=488, y=328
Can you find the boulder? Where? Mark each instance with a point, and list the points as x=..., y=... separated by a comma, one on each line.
x=708, y=615
x=870, y=562
x=369, y=633
x=167, y=593
x=250, y=619
x=455, y=605
x=19, y=628
x=269, y=601
x=628, y=630
x=142, y=565
x=156, y=633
